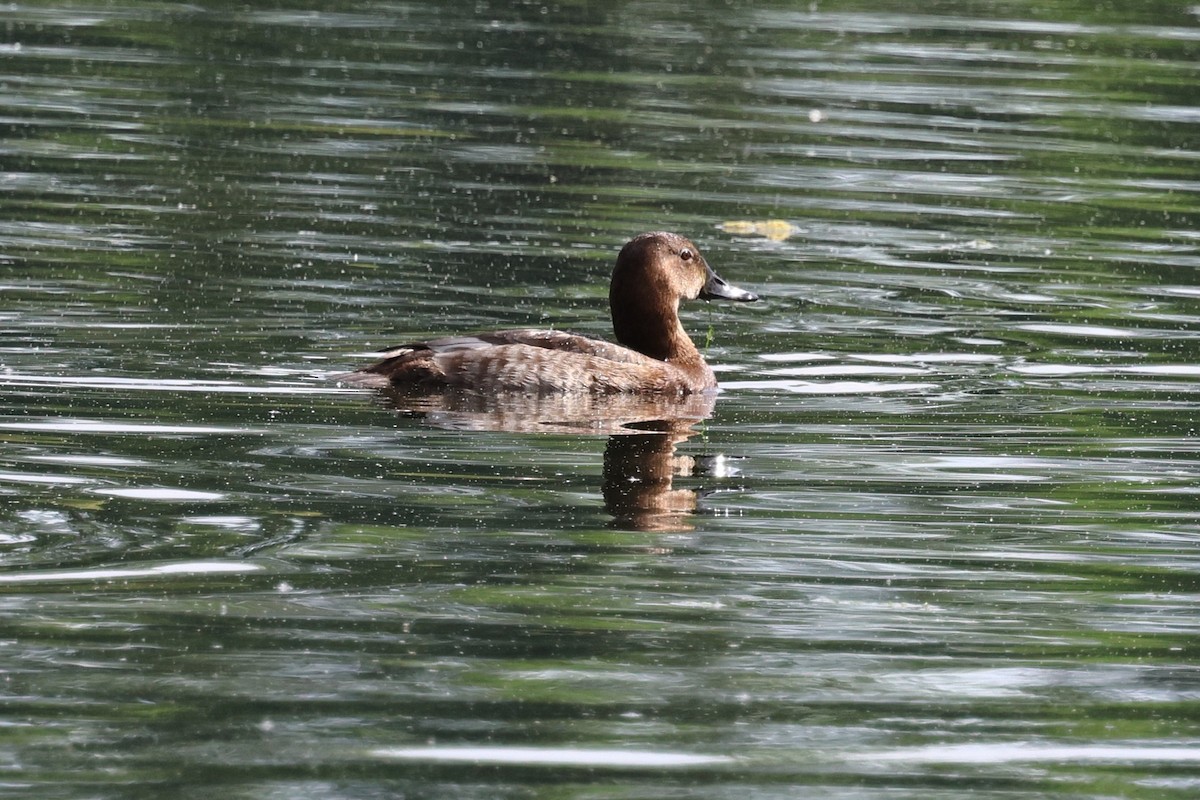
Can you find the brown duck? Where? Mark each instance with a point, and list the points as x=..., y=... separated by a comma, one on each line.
x=654, y=272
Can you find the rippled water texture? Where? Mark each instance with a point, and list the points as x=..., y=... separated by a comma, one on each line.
x=938, y=535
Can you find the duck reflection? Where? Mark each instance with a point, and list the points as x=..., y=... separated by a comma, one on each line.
x=640, y=459
x=639, y=475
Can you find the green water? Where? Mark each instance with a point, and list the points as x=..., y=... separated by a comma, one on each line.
x=938, y=536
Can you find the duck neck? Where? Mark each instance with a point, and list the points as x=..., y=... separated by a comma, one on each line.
x=653, y=333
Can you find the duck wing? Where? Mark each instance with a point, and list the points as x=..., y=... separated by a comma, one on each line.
x=564, y=342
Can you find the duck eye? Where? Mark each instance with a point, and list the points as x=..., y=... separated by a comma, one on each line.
x=686, y=254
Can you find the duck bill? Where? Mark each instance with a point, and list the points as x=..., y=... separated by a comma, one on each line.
x=715, y=288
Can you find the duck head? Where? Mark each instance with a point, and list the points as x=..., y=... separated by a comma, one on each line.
x=654, y=272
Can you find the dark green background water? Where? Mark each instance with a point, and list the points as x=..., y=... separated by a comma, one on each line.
x=938, y=537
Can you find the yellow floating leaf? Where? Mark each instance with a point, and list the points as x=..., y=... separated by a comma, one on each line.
x=742, y=227
x=774, y=229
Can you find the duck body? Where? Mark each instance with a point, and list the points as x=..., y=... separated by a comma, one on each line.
x=654, y=272
x=530, y=360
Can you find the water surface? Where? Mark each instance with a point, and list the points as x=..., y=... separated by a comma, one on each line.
x=937, y=534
